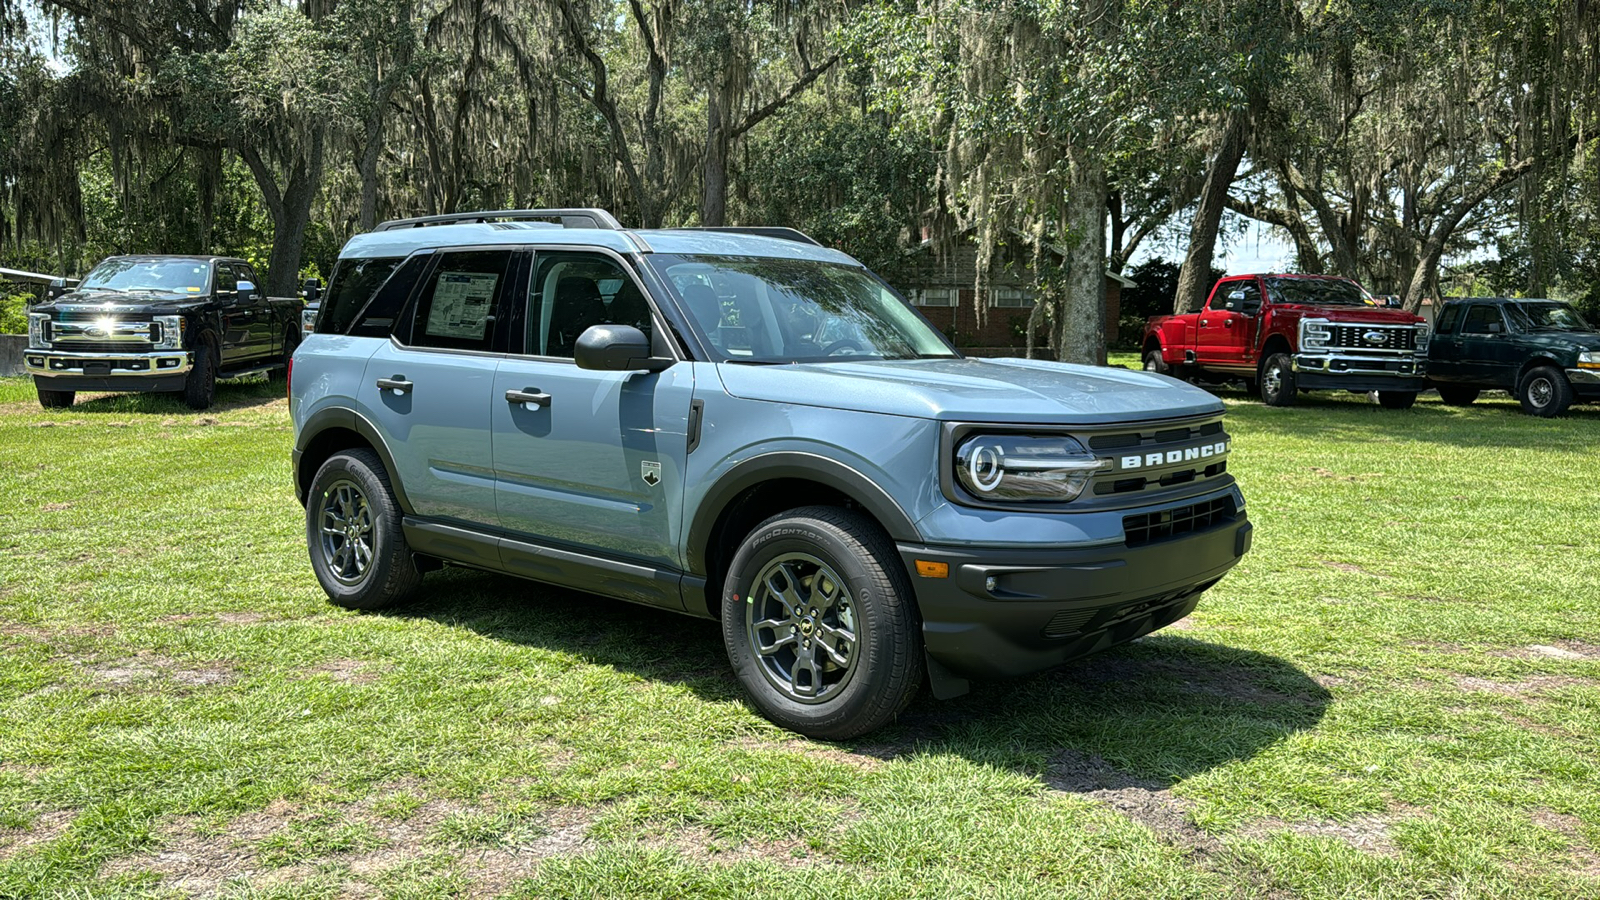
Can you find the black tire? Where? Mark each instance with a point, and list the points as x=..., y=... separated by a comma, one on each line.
x=1544, y=392
x=807, y=550
x=200, y=388
x=1397, y=399
x=1154, y=363
x=56, y=399
x=349, y=483
x=291, y=340
x=1457, y=395
x=1277, y=381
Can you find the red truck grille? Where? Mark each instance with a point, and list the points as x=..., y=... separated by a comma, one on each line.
x=1389, y=338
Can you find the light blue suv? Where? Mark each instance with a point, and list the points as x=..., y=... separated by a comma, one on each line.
x=743, y=425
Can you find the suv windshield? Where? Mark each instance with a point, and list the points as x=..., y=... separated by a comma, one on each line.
x=1318, y=292
x=1546, y=316
x=178, y=276
x=762, y=310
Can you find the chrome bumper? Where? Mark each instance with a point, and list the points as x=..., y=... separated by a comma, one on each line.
x=1359, y=365
x=54, y=363
x=1584, y=376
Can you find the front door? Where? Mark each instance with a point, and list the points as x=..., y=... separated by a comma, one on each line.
x=1225, y=334
x=594, y=463
x=1484, y=347
x=428, y=389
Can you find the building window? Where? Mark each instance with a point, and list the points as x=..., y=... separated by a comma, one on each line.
x=934, y=297
x=1011, y=298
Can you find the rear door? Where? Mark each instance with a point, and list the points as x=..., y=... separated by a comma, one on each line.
x=596, y=463
x=427, y=390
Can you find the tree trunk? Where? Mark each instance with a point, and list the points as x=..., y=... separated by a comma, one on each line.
x=1194, y=281
x=714, y=198
x=368, y=167
x=1080, y=327
x=290, y=208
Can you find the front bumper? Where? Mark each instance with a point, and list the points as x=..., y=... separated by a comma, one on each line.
x=1360, y=373
x=1007, y=612
x=1585, y=382
x=163, y=370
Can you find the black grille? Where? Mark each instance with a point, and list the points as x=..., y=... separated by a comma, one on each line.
x=1147, y=528
x=1167, y=436
x=1068, y=622
x=1354, y=337
x=102, y=346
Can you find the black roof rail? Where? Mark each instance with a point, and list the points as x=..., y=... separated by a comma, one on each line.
x=569, y=218
x=771, y=231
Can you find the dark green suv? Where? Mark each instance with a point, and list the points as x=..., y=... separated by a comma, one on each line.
x=1542, y=351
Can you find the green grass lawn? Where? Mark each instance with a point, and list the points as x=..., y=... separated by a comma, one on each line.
x=1396, y=694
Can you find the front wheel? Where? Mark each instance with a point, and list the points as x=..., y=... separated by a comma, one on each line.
x=56, y=399
x=1397, y=399
x=820, y=623
x=200, y=388
x=358, y=550
x=1277, y=381
x=1455, y=395
x=1544, y=392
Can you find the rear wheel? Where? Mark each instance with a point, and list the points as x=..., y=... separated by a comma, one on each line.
x=358, y=549
x=200, y=389
x=1455, y=395
x=820, y=624
x=1154, y=363
x=1397, y=399
x=56, y=399
x=1277, y=381
x=1544, y=392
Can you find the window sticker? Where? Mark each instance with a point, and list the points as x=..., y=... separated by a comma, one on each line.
x=461, y=305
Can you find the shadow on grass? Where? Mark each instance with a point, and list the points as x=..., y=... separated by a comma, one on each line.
x=1162, y=709
x=246, y=393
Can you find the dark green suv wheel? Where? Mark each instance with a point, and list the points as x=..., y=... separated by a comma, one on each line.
x=820, y=623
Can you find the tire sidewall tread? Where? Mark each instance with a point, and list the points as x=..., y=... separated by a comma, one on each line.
x=393, y=575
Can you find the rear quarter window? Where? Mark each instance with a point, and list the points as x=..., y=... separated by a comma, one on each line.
x=353, y=284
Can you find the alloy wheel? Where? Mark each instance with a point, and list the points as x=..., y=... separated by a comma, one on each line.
x=801, y=620
x=346, y=525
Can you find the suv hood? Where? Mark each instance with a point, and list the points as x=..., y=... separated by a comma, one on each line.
x=981, y=390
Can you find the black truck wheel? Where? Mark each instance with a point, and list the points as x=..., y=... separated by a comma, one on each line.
x=820, y=623
x=1277, y=381
x=358, y=550
x=200, y=388
x=1457, y=395
x=1544, y=392
x=56, y=399
x=1154, y=363
x=1397, y=399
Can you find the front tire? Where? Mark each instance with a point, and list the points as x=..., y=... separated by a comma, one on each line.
x=1544, y=392
x=1455, y=395
x=358, y=549
x=200, y=388
x=56, y=399
x=820, y=623
x=1277, y=381
x=1397, y=399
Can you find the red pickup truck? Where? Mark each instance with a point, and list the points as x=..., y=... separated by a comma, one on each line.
x=1286, y=333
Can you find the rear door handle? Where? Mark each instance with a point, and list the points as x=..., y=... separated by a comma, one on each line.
x=1227, y=323
x=398, y=384
x=528, y=395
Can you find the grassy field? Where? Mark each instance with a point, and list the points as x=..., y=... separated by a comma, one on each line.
x=1397, y=694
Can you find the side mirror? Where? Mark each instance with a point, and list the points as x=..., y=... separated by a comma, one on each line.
x=246, y=287
x=616, y=348
x=58, y=286
x=311, y=290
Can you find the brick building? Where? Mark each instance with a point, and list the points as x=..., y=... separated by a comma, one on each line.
x=942, y=287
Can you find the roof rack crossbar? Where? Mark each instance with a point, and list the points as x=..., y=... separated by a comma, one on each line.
x=771, y=231
x=569, y=218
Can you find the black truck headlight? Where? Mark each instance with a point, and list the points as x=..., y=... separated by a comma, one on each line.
x=38, y=331
x=1025, y=468
x=168, y=332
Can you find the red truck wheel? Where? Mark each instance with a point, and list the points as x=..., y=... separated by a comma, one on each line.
x=1277, y=381
x=1154, y=363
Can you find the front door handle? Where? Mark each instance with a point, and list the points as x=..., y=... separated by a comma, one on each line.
x=1204, y=322
x=528, y=395
x=398, y=384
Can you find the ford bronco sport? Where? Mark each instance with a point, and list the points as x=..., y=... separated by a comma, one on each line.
x=746, y=426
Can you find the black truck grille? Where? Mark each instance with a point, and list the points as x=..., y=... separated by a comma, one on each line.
x=1356, y=337
x=1147, y=528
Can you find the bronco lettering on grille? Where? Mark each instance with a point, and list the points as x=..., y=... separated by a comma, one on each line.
x=1173, y=457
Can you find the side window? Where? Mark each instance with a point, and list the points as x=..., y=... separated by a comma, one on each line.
x=1448, y=319
x=570, y=292
x=353, y=283
x=378, y=316
x=1482, y=319
x=456, y=309
x=225, y=283
x=1220, y=296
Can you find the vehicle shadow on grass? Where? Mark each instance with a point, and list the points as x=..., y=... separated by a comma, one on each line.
x=1142, y=716
x=245, y=394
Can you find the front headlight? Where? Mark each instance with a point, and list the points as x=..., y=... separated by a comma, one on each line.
x=1424, y=334
x=38, y=331
x=169, y=334
x=1025, y=468
x=1589, y=359
x=1314, y=334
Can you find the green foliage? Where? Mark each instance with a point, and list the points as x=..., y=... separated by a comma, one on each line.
x=14, y=310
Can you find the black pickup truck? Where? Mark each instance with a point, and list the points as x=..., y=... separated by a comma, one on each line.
x=159, y=323
x=1542, y=351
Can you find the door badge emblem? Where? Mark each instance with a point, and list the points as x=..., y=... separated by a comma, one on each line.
x=650, y=471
